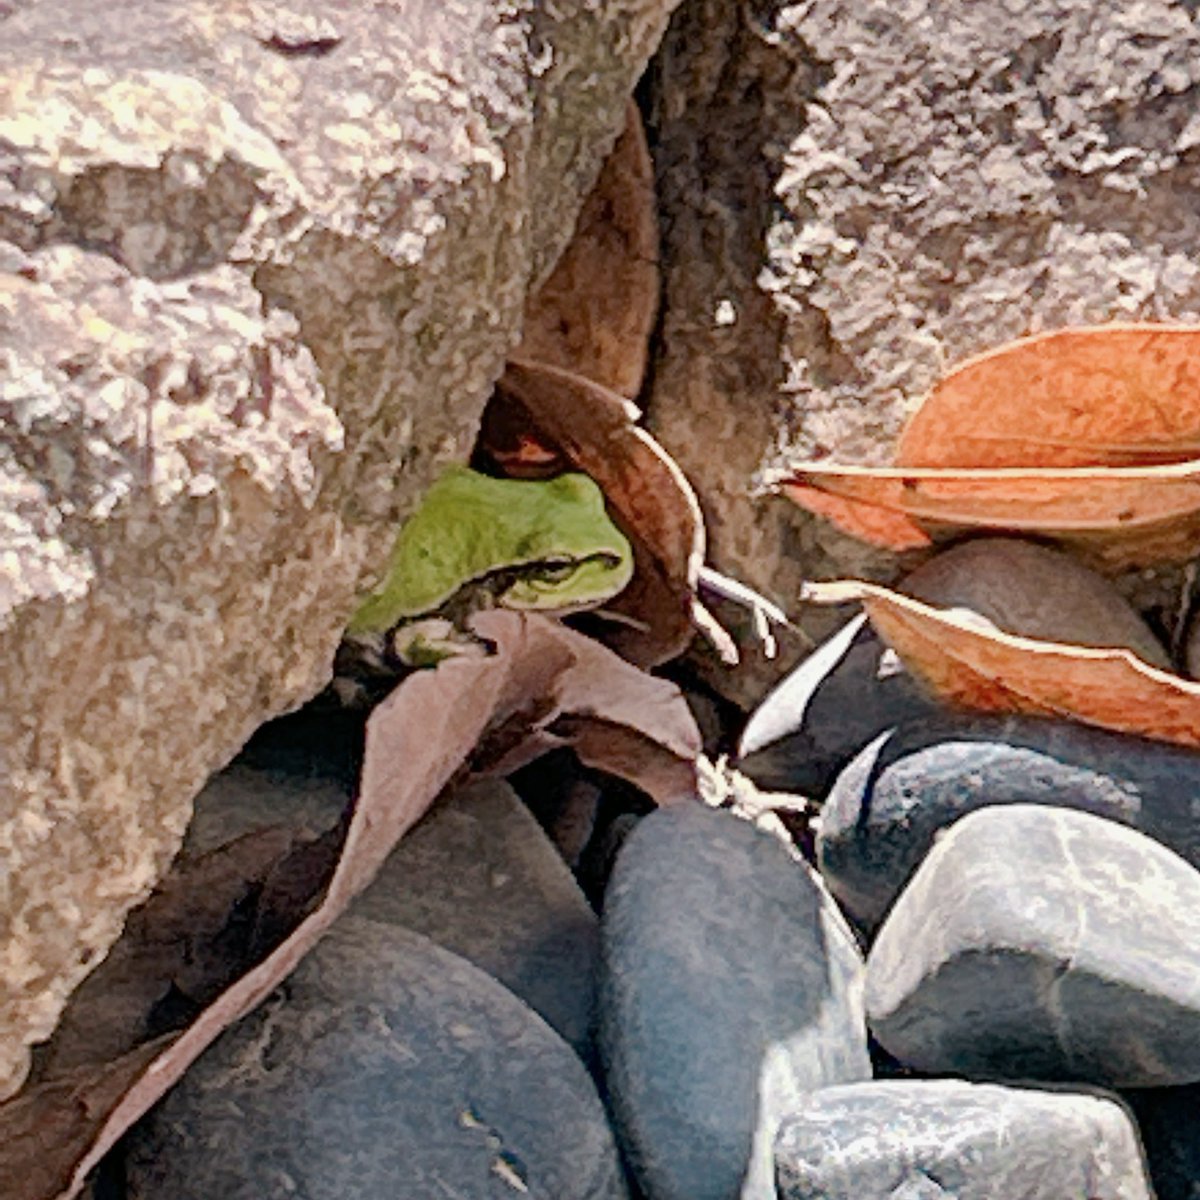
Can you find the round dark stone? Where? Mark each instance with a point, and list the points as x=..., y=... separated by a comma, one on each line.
x=729, y=984
x=386, y=1066
x=887, y=806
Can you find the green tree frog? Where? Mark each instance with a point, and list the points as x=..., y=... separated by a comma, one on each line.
x=477, y=542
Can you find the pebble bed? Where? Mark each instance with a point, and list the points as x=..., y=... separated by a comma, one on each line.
x=983, y=983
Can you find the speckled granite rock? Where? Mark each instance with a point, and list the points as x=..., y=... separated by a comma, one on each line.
x=950, y=1140
x=729, y=986
x=385, y=1066
x=858, y=196
x=885, y=809
x=1043, y=943
x=478, y=876
x=259, y=265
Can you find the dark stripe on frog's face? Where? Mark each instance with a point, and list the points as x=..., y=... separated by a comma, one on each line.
x=560, y=572
x=562, y=586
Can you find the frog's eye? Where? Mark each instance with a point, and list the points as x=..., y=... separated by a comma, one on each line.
x=550, y=574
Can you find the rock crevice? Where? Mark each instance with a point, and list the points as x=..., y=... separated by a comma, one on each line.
x=259, y=266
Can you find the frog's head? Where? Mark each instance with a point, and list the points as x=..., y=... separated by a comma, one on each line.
x=551, y=540
x=574, y=561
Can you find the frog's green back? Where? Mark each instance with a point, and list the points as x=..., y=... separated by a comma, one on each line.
x=470, y=525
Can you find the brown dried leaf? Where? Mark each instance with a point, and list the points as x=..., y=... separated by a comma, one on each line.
x=647, y=494
x=630, y=754
x=1118, y=516
x=595, y=313
x=1104, y=395
x=48, y=1127
x=967, y=662
x=53, y=1134
x=511, y=444
x=541, y=671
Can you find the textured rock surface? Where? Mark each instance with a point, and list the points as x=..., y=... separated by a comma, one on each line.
x=1043, y=943
x=478, y=876
x=885, y=809
x=385, y=1066
x=876, y=192
x=729, y=985
x=722, y=88
x=260, y=264
x=921, y=1140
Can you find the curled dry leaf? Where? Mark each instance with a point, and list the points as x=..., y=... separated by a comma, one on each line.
x=1105, y=395
x=543, y=684
x=1036, y=592
x=52, y=1125
x=1116, y=516
x=511, y=444
x=595, y=313
x=564, y=402
x=648, y=496
x=1090, y=436
x=967, y=662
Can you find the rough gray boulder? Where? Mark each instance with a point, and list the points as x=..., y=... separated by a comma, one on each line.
x=1043, y=943
x=857, y=196
x=259, y=265
x=946, y=1139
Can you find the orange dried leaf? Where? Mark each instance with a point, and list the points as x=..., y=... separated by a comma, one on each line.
x=969, y=663
x=1118, y=515
x=1102, y=395
x=595, y=313
x=875, y=523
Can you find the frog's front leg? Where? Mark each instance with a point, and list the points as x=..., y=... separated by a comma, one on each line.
x=425, y=643
x=369, y=665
